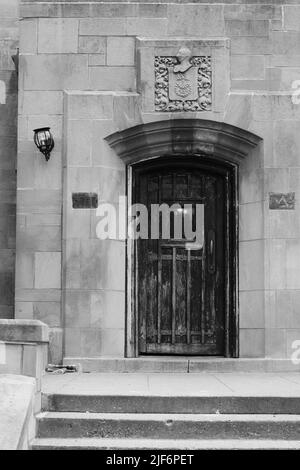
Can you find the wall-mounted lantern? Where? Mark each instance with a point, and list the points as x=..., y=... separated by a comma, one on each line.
x=43, y=139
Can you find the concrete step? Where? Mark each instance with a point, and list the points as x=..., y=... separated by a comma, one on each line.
x=148, y=364
x=170, y=444
x=171, y=404
x=168, y=426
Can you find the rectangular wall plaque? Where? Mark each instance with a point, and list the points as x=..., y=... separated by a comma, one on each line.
x=84, y=200
x=281, y=201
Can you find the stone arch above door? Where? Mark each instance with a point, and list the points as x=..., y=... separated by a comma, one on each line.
x=183, y=136
x=221, y=145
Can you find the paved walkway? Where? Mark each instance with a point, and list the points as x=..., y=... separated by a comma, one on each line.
x=174, y=384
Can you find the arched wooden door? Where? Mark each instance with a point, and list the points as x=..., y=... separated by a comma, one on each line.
x=180, y=281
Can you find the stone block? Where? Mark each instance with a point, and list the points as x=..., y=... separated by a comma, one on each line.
x=251, y=27
x=277, y=264
x=247, y=67
x=102, y=27
x=191, y=19
x=47, y=270
x=9, y=9
x=92, y=45
x=251, y=266
x=291, y=15
x=287, y=143
x=286, y=60
x=40, y=72
x=251, y=45
x=47, y=312
x=24, y=269
x=251, y=221
x=252, y=309
x=155, y=10
x=72, y=342
x=79, y=143
x=13, y=363
x=284, y=224
x=252, y=342
x=47, y=175
x=38, y=295
x=146, y=26
x=238, y=110
x=24, y=310
x=250, y=11
x=112, y=78
x=55, y=346
x=77, y=224
x=29, y=361
x=7, y=312
x=39, y=102
x=8, y=28
x=72, y=264
x=275, y=342
x=23, y=331
x=286, y=42
x=127, y=111
x=57, y=36
x=39, y=201
x=113, y=10
x=292, y=264
x=39, y=238
x=112, y=342
x=95, y=60
x=53, y=10
x=284, y=311
x=108, y=309
x=92, y=105
x=120, y=51
x=77, y=308
x=251, y=186
x=103, y=264
x=7, y=286
x=90, y=342
x=28, y=36
x=102, y=154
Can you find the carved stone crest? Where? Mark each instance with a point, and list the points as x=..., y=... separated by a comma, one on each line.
x=183, y=82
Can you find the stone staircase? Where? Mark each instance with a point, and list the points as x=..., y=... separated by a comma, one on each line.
x=91, y=421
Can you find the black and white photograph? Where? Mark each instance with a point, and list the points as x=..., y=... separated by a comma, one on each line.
x=150, y=228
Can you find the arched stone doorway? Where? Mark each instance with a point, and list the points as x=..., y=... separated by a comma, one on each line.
x=203, y=319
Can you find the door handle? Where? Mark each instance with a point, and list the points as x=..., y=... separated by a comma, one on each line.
x=211, y=252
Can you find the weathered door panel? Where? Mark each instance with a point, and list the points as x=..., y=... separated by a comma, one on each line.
x=181, y=284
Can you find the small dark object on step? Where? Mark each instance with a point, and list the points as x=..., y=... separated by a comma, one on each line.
x=61, y=369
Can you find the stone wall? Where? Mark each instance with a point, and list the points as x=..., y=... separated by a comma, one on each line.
x=80, y=75
x=9, y=13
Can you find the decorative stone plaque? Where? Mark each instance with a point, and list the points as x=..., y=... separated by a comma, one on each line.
x=282, y=201
x=183, y=82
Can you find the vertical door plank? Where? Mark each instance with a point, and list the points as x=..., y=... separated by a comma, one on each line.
x=188, y=298
x=173, y=294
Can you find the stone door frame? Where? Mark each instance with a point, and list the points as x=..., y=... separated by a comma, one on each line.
x=215, y=143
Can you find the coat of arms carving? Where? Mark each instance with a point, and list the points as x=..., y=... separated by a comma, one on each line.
x=183, y=82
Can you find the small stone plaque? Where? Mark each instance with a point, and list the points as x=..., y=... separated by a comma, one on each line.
x=84, y=200
x=281, y=201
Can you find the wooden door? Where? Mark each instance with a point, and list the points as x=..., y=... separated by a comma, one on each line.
x=180, y=283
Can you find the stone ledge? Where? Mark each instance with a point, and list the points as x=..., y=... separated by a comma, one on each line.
x=24, y=331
